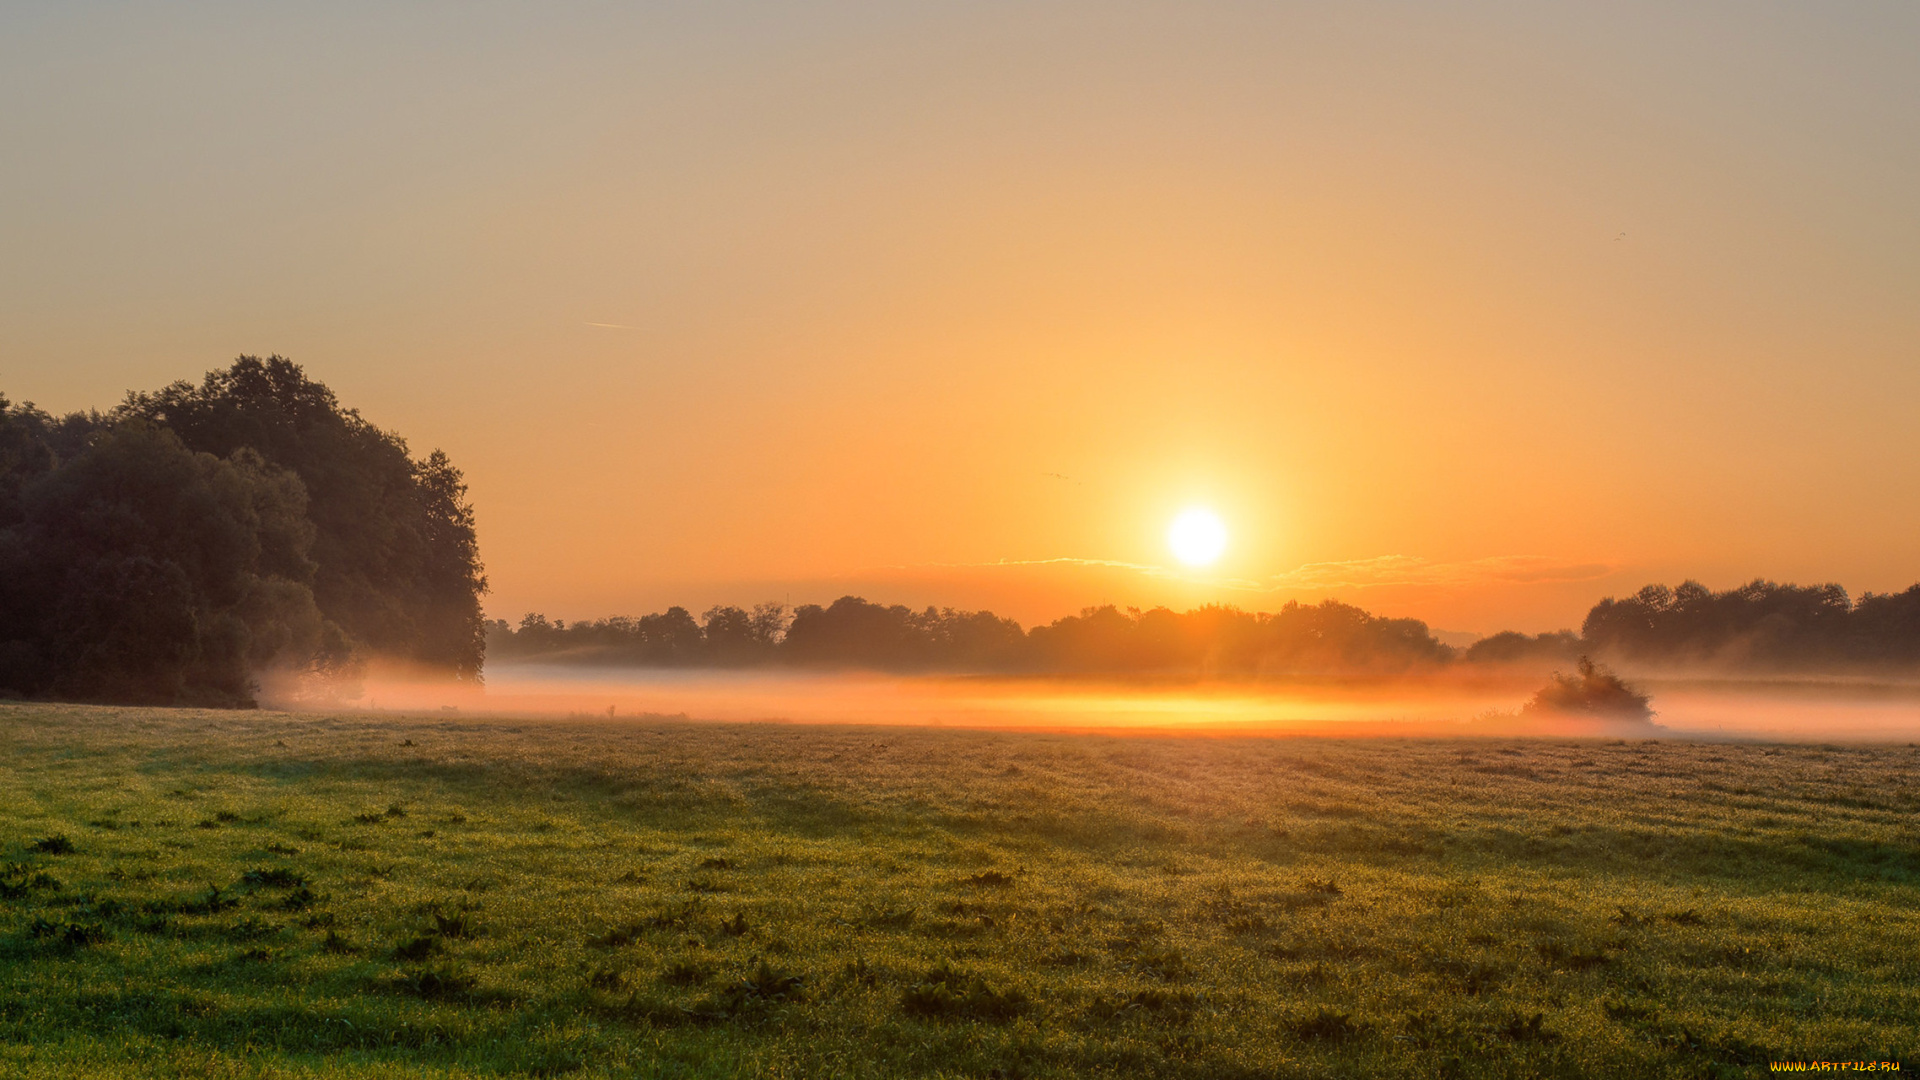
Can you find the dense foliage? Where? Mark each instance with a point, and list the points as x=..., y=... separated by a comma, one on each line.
x=1591, y=690
x=851, y=632
x=171, y=550
x=1757, y=628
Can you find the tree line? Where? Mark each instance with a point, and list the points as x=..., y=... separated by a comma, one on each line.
x=852, y=632
x=172, y=549
x=1758, y=627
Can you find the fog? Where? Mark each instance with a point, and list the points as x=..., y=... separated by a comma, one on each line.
x=1448, y=704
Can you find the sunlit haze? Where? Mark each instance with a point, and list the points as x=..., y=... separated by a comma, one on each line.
x=1474, y=313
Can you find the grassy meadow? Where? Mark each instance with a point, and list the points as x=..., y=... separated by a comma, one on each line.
x=228, y=894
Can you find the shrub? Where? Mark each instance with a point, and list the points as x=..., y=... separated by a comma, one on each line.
x=1592, y=691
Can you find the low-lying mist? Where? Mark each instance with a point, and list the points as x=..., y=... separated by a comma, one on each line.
x=1449, y=703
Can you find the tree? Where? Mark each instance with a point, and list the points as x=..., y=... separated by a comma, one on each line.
x=142, y=572
x=397, y=558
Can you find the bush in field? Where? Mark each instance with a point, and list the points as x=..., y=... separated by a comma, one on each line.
x=1592, y=690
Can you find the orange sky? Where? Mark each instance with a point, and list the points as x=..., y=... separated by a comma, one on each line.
x=1474, y=314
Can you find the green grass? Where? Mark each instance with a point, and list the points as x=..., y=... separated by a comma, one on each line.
x=257, y=894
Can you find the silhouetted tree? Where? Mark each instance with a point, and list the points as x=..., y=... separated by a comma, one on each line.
x=143, y=572
x=1760, y=625
x=1511, y=647
x=398, y=565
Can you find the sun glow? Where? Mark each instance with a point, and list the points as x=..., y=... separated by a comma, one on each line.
x=1197, y=536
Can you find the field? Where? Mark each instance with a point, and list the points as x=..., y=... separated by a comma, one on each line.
x=260, y=894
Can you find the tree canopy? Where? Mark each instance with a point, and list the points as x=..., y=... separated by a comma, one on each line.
x=170, y=550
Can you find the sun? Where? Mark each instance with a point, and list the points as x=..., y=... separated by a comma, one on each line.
x=1197, y=536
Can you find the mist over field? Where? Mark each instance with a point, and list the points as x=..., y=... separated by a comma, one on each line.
x=1451, y=703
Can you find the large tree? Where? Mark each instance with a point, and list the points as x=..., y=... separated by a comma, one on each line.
x=398, y=564
x=143, y=572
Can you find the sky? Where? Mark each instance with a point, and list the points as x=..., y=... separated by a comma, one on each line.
x=1470, y=312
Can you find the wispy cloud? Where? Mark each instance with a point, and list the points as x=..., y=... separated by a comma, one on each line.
x=1380, y=571
x=1386, y=570
x=1143, y=569
x=613, y=326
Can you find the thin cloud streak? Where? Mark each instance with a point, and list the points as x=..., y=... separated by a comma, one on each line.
x=1380, y=571
x=1404, y=570
x=1377, y=571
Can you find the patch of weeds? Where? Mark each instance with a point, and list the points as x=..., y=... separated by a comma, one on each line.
x=1624, y=917
x=989, y=879
x=1173, y=1007
x=610, y=980
x=272, y=878
x=226, y=817
x=1470, y=977
x=1427, y=1030
x=946, y=994
x=704, y=884
x=448, y=982
x=250, y=928
x=57, y=844
x=1235, y=916
x=19, y=879
x=1321, y=888
x=71, y=934
x=318, y=919
x=299, y=899
x=715, y=864
x=370, y=819
x=104, y=823
x=1572, y=959
x=618, y=937
x=1327, y=1025
x=417, y=949
x=1525, y=1029
x=214, y=902
x=382, y=872
x=282, y=849
x=685, y=973
x=119, y=873
x=395, y=811
x=337, y=945
x=1628, y=1011
x=631, y=877
x=206, y=823
x=254, y=955
x=736, y=926
x=1688, y=917
x=459, y=924
x=759, y=988
x=893, y=920
x=1168, y=965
